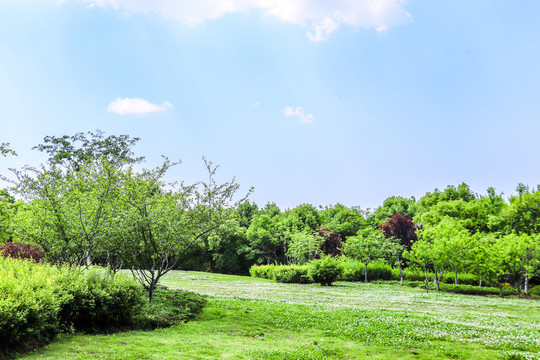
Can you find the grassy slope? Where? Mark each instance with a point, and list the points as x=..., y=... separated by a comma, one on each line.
x=250, y=318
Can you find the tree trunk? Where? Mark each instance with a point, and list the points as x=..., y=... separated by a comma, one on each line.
x=455, y=277
x=400, y=270
x=481, y=277
x=365, y=273
x=151, y=292
x=526, y=289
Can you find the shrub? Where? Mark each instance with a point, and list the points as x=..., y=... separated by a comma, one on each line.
x=99, y=301
x=38, y=301
x=325, y=271
x=463, y=279
x=353, y=270
x=475, y=290
x=262, y=271
x=535, y=291
x=170, y=307
x=298, y=274
x=462, y=289
x=17, y=250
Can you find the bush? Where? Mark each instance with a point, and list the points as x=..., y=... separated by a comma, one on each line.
x=37, y=301
x=475, y=290
x=99, y=301
x=298, y=274
x=535, y=291
x=170, y=307
x=262, y=271
x=463, y=279
x=17, y=250
x=325, y=271
x=353, y=270
x=461, y=289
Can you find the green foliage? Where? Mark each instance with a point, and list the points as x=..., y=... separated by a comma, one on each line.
x=354, y=270
x=395, y=205
x=325, y=271
x=298, y=274
x=5, y=150
x=535, y=291
x=303, y=218
x=266, y=236
x=304, y=247
x=170, y=307
x=38, y=301
x=343, y=220
x=99, y=301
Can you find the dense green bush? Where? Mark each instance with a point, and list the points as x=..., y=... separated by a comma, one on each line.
x=325, y=271
x=298, y=274
x=29, y=303
x=98, y=301
x=37, y=301
x=263, y=271
x=535, y=291
x=353, y=270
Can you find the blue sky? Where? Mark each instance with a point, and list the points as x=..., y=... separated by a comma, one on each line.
x=308, y=101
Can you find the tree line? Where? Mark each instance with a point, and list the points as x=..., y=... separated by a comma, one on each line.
x=93, y=202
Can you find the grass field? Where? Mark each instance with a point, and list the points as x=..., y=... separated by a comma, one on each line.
x=257, y=319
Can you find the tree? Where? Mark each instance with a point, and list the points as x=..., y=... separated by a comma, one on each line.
x=450, y=245
x=369, y=245
x=73, y=151
x=266, y=236
x=160, y=223
x=331, y=244
x=73, y=207
x=522, y=215
x=302, y=218
x=304, y=247
x=395, y=205
x=343, y=220
x=246, y=211
x=8, y=210
x=73, y=195
x=422, y=257
x=403, y=229
x=227, y=248
x=479, y=255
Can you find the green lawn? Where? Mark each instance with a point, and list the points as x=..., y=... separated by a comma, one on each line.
x=256, y=319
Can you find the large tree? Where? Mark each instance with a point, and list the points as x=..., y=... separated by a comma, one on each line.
x=74, y=193
x=160, y=222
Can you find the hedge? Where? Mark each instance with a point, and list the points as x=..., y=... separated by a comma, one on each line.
x=298, y=274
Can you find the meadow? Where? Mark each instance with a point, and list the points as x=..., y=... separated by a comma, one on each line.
x=248, y=318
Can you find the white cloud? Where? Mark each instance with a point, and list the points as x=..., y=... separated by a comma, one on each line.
x=298, y=112
x=322, y=17
x=256, y=104
x=136, y=106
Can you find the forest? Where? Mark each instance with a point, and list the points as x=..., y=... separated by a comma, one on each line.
x=92, y=202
